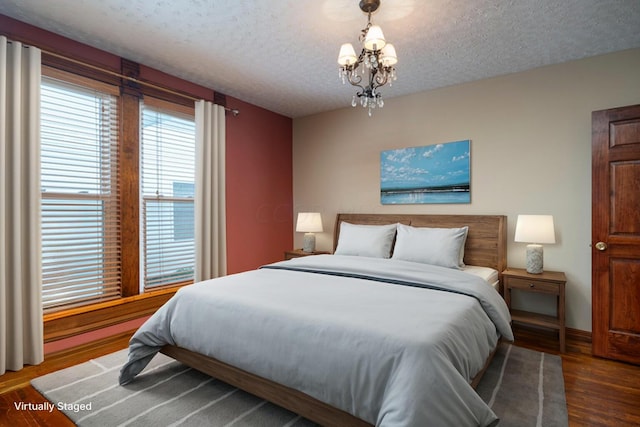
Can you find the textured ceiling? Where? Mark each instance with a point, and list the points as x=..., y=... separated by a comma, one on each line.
x=281, y=54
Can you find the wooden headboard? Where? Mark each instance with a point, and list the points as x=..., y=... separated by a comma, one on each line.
x=486, y=241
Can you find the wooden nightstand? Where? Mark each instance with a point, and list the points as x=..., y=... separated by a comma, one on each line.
x=296, y=253
x=548, y=282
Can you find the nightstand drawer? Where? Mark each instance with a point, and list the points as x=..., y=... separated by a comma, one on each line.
x=532, y=285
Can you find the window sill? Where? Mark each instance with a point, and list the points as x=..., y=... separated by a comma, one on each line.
x=75, y=321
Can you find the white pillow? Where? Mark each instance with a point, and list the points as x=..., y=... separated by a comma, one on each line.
x=437, y=246
x=366, y=240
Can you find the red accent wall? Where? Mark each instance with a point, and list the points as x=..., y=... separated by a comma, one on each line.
x=259, y=187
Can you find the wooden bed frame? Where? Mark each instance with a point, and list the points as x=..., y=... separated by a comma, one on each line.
x=486, y=246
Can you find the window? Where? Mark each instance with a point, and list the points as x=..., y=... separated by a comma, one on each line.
x=80, y=204
x=97, y=165
x=167, y=189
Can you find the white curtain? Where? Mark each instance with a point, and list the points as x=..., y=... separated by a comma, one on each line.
x=210, y=215
x=21, y=328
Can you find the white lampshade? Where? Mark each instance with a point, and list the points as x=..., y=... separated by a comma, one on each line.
x=389, y=56
x=347, y=55
x=535, y=229
x=375, y=39
x=309, y=222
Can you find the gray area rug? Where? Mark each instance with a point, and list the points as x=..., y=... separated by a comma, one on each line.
x=524, y=388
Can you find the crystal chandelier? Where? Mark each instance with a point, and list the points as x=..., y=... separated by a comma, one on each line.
x=377, y=59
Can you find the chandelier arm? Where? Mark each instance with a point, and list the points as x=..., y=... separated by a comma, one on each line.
x=353, y=81
x=349, y=72
x=352, y=77
x=381, y=79
x=363, y=52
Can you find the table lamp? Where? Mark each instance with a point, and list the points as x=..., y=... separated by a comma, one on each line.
x=309, y=223
x=535, y=230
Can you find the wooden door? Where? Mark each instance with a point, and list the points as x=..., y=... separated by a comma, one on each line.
x=616, y=233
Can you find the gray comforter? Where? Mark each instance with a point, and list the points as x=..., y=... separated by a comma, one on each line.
x=392, y=342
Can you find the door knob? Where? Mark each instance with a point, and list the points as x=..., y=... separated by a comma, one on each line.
x=601, y=246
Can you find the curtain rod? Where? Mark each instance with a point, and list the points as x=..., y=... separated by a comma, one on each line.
x=233, y=111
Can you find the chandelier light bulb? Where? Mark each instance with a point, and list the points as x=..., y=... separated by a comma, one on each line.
x=389, y=57
x=374, y=39
x=347, y=55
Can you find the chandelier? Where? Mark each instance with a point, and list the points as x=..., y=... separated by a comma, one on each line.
x=373, y=68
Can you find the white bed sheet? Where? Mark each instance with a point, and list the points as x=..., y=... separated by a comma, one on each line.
x=490, y=275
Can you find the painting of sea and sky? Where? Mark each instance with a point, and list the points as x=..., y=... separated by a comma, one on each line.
x=431, y=174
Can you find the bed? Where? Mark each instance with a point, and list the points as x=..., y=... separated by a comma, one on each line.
x=354, y=338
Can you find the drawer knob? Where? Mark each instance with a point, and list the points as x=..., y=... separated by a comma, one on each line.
x=531, y=285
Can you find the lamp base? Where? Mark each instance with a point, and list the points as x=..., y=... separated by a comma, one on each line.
x=534, y=259
x=309, y=242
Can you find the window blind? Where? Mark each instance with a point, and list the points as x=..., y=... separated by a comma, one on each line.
x=80, y=215
x=167, y=192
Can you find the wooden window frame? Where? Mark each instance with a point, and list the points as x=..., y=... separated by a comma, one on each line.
x=132, y=304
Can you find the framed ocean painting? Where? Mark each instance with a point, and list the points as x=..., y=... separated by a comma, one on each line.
x=431, y=174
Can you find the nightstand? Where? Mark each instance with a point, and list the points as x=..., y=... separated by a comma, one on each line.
x=296, y=253
x=548, y=282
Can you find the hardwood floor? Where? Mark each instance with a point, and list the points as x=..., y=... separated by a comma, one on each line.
x=599, y=392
